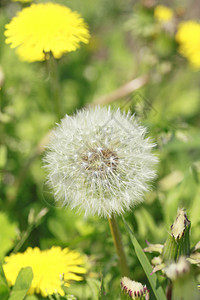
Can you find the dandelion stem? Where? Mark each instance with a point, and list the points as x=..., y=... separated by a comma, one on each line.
x=119, y=246
x=23, y=239
x=54, y=81
x=169, y=290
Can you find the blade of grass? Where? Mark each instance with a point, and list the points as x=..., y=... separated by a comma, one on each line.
x=152, y=278
x=102, y=293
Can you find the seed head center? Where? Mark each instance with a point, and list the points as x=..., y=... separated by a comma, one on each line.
x=100, y=160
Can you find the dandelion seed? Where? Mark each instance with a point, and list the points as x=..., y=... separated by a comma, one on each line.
x=108, y=176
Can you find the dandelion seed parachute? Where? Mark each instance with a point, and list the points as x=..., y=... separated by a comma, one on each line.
x=99, y=162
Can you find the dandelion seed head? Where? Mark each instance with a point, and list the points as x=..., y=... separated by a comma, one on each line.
x=99, y=162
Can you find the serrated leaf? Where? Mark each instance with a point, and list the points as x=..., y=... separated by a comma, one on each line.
x=22, y=284
x=4, y=288
x=152, y=278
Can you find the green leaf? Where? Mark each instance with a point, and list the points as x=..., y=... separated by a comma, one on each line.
x=94, y=285
x=157, y=290
x=4, y=288
x=102, y=293
x=3, y=156
x=7, y=234
x=31, y=297
x=22, y=284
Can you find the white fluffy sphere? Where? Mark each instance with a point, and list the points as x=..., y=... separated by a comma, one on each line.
x=99, y=161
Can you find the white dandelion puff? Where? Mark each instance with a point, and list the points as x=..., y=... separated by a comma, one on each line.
x=99, y=162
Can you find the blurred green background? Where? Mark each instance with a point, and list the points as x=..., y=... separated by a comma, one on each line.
x=126, y=42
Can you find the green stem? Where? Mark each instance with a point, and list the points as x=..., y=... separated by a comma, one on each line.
x=169, y=290
x=119, y=246
x=24, y=238
x=55, y=87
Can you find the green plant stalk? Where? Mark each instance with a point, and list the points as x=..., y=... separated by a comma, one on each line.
x=32, y=223
x=24, y=238
x=119, y=246
x=125, y=296
x=170, y=249
x=55, y=86
x=152, y=278
x=169, y=289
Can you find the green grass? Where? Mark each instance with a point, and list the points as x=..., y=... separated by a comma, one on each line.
x=168, y=105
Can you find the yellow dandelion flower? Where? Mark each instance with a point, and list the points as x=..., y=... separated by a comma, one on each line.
x=163, y=13
x=188, y=37
x=51, y=268
x=43, y=28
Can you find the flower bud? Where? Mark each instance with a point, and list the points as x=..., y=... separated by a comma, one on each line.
x=41, y=214
x=31, y=216
x=178, y=242
x=133, y=290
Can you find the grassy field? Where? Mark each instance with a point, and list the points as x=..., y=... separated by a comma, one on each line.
x=127, y=42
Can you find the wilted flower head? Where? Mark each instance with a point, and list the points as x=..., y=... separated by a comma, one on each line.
x=99, y=161
x=43, y=28
x=51, y=268
x=135, y=290
x=178, y=242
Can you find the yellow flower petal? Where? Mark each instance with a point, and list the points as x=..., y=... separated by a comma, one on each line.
x=43, y=28
x=188, y=37
x=163, y=13
x=50, y=268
